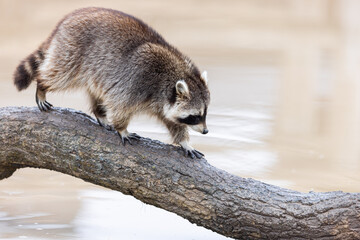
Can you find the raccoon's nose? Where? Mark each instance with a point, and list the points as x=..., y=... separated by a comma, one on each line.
x=205, y=131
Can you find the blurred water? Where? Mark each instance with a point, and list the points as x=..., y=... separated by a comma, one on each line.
x=285, y=109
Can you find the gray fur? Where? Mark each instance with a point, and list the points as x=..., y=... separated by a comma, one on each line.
x=125, y=66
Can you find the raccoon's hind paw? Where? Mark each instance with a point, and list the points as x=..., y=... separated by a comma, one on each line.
x=44, y=106
x=105, y=125
x=40, y=97
x=126, y=137
x=108, y=127
x=193, y=153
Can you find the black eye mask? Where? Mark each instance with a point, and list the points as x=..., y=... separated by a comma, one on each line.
x=193, y=119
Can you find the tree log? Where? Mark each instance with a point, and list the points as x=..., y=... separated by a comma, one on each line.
x=73, y=143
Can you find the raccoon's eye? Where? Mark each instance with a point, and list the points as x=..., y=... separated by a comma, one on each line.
x=191, y=120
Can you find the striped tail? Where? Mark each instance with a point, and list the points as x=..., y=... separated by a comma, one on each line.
x=27, y=70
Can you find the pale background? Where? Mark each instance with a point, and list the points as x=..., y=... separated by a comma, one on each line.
x=285, y=81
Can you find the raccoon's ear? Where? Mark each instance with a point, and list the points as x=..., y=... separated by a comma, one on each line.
x=204, y=77
x=182, y=88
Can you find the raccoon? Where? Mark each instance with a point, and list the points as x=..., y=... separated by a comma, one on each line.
x=126, y=68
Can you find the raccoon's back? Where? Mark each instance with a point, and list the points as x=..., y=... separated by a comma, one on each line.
x=104, y=31
x=92, y=48
x=97, y=43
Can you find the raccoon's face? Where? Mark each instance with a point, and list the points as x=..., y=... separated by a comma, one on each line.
x=190, y=107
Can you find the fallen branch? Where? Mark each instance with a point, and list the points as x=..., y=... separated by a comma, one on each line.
x=73, y=143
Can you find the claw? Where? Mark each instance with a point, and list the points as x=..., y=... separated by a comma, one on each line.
x=109, y=127
x=43, y=105
x=105, y=125
x=198, y=154
x=193, y=153
x=128, y=138
x=134, y=136
x=124, y=139
x=99, y=122
x=48, y=104
x=190, y=154
x=189, y=150
x=39, y=106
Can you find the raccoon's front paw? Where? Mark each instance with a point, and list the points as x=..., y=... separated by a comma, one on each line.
x=190, y=151
x=193, y=153
x=126, y=136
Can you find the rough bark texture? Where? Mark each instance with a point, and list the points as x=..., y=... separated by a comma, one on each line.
x=73, y=143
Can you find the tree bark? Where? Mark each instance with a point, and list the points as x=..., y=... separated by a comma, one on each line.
x=73, y=143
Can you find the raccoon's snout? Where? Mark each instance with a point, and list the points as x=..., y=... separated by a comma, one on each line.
x=201, y=128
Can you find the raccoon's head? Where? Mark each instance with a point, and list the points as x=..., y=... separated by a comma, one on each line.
x=189, y=103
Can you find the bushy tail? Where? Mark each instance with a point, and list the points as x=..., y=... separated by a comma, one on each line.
x=28, y=69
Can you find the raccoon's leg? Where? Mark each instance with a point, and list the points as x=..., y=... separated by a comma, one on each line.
x=99, y=111
x=40, y=98
x=180, y=136
x=120, y=125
